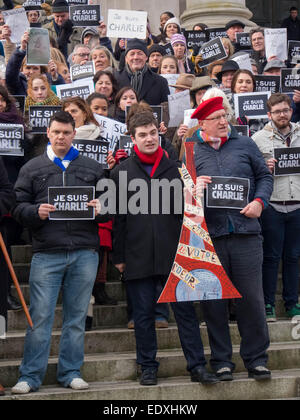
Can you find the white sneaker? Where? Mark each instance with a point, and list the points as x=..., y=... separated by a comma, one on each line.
x=21, y=388
x=77, y=384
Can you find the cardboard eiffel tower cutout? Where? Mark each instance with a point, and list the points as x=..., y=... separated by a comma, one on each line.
x=197, y=273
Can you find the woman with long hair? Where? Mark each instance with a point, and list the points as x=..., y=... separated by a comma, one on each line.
x=39, y=93
x=86, y=125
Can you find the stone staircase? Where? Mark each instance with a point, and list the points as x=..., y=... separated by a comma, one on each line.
x=110, y=366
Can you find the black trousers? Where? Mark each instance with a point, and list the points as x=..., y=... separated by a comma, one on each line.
x=143, y=295
x=241, y=257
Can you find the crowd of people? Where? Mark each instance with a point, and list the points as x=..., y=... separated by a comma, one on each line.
x=74, y=255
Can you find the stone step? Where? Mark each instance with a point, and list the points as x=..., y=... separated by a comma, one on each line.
x=284, y=385
x=116, y=340
x=121, y=339
x=21, y=254
x=122, y=366
x=111, y=316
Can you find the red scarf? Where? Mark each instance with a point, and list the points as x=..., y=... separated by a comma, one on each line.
x=153, y=159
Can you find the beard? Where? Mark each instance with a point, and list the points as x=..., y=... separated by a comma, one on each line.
x=282, y=124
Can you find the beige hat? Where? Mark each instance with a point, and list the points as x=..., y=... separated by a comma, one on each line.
x=202, y=82
x=184, y=81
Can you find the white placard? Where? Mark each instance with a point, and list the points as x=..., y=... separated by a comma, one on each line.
x=172, y=79
x=276, y=43
x=243, y=61
x=188, y=121
x=17, y=20
x=126, y=24
x=178, y=104
x=82, y=88
x=111, y=130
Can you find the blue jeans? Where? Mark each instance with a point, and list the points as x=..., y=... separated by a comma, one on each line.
x=281, y=232
x=73, y=272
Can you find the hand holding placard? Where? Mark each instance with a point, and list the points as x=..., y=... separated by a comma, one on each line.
x=45, y=210
x=253, y=210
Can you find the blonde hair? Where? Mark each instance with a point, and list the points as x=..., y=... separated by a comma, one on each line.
x=57, y=56
x=227, y=43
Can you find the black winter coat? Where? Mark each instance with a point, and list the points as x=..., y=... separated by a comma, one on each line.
x=146, y=243
x=32, y=190
x=155, y=89
x=7, y=195
x=293, y=28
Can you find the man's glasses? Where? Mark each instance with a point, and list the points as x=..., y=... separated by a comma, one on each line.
x=285, y=111
x=225, y=117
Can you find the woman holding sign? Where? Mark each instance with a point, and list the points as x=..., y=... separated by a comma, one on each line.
x=244, y=82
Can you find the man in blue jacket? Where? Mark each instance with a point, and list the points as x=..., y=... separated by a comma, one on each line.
x=236, y=234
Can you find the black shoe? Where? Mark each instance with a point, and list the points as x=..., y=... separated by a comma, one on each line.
x=200, y=374
x=88, y=323
x=101, y=297
x=260, y=373
x=224, y=374
x=149, y=377
x=13, y=304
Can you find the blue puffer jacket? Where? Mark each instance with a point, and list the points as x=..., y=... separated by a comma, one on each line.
x=238, y=157
x=16, y=82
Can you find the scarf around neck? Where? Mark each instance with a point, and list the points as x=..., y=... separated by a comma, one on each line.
x=52, y=100
x=214, y=142
x=136, y=78
x=65, y=162
x=153, y=159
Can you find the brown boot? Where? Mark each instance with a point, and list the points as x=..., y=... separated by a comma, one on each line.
x=2, y=391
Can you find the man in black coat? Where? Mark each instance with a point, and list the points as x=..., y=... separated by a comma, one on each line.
x=292, y=24
x=7, y=201
x=149, y=86
x=146, y=235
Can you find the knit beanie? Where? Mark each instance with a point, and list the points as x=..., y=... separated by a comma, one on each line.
x=60, y=6
x=89, y=31
x=178, y=38
x=136, y=44
x=172, y=20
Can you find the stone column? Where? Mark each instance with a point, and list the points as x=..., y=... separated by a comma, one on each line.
x=215, y=13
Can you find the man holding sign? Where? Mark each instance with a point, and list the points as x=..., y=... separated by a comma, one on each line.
x=65, y=242
x=279, y=142
x=238, y=183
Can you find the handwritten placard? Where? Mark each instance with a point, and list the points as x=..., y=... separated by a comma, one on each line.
x=127, y=24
